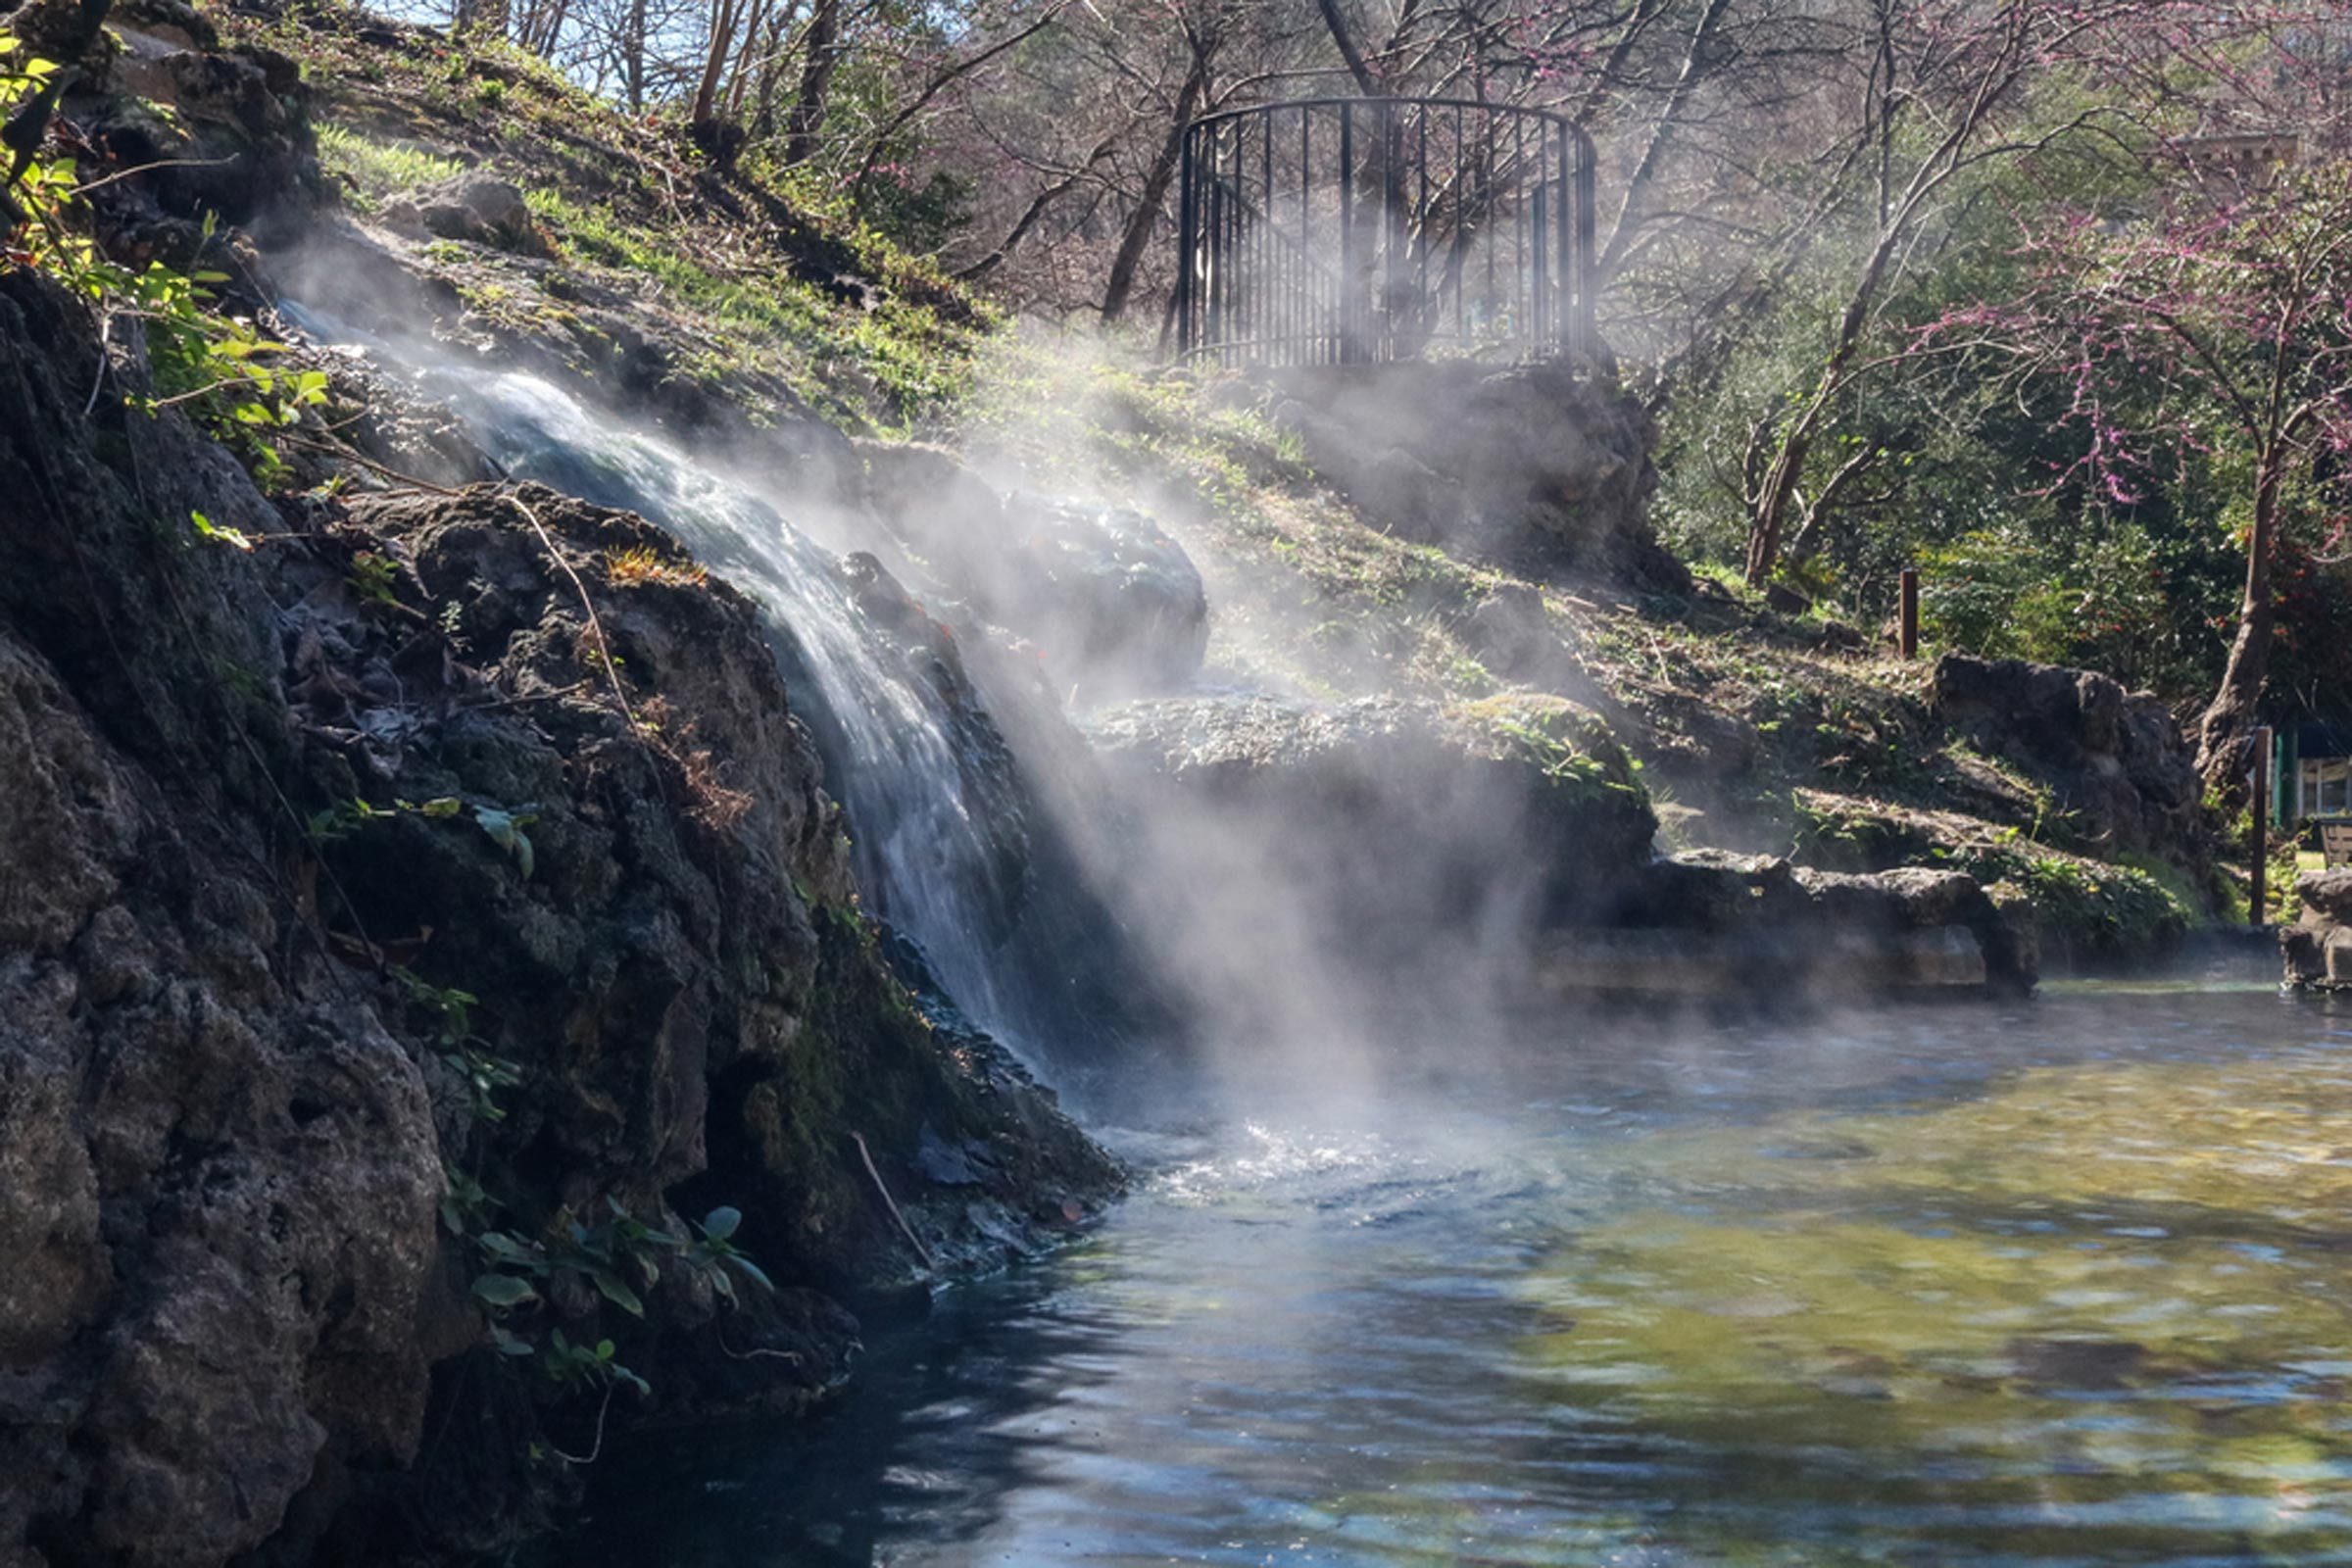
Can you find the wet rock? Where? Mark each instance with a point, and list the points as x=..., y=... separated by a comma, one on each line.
x=1711, y=923
x=2317, y=947
x=1109, y=601
x=262, y=816
x=1386, y=857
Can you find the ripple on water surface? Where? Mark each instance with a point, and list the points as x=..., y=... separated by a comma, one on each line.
x=2065, y=1285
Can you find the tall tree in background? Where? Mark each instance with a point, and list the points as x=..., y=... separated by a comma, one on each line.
x=2222, y=330
x=1945, y=87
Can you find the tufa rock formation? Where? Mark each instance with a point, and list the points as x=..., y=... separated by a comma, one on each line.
x=2113, y=758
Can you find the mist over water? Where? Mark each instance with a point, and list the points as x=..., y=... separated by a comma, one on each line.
x=1416, y=1278
x=1922, y=1286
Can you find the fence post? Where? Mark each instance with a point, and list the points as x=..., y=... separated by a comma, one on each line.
x=2257, y=906
x=1188, y=258
x=1907, y=637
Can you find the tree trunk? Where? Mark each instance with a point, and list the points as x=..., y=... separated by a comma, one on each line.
x=1138, y=237
x=808, y=116
x=632, y=56
x=1366, y=83
x=1768, y=512
x=727, y=19
x=2227, y=729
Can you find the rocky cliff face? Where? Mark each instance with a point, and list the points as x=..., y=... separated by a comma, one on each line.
x=397, y=896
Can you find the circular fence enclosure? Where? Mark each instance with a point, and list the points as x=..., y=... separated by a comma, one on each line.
x=1361, y=230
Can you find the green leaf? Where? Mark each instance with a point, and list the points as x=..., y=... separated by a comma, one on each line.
x=505, y=829
x=509, y=1343
x=235, y=538
x=752, y=1271
x=613, y=1289
x=721, y=1222
x=500, y=1244
x=504, y=1290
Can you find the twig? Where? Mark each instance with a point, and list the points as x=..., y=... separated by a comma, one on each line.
x=890, y=1203
x=603, y=648
x=344, y=455
x=141, y=168
x=106, y=326
x=527, y=697
x=719, y=1332
x=596, y=1447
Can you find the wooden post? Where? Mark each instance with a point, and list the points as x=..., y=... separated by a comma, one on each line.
x=1908, y=637
x=2261, y=828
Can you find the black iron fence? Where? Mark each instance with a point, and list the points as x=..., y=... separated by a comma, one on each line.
x=1354, y=230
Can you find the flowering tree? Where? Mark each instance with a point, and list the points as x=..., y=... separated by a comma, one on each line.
x=2220, y=328
x=1945, y=87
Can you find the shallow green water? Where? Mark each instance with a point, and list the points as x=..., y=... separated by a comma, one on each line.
x=2065, y=1282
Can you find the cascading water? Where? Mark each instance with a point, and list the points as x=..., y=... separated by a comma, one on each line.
x=920, y=839
x=901, y=754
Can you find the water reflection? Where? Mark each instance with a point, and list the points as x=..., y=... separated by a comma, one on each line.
x=2065, y=1285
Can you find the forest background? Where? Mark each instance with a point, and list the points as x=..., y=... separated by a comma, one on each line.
x=2050, y=299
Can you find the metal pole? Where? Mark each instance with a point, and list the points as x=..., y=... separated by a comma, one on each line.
x=2258, y=907
x=1908, y=638
x=1188, y=256
x=1586, y=338
x=1568, y=271
x=1347, y=288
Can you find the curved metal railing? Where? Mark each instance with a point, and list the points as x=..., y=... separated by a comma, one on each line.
x=1356, y=231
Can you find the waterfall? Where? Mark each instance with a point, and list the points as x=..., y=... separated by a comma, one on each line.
x=899, y=754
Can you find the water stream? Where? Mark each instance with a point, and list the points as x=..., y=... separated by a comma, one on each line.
x=2068, y=1282
x=919, y=812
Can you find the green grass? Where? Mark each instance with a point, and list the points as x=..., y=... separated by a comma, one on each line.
x=376, y=167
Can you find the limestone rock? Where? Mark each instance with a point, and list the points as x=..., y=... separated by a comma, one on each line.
x=2113, y=759
x=477, y=207
x=2317, y=947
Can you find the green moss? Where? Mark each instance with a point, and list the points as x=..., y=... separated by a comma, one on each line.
x=2099, y=909
x=1573, y=746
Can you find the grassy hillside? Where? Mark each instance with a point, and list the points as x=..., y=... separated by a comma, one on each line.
x=772, y=287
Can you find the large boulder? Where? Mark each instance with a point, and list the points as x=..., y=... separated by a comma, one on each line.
x=1533, y=465
x=346, y=917
x=2114, y=759
x=2317, y=947
x=477, y=207
x=1110, y=601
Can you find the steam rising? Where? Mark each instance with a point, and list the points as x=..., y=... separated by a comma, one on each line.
x=1294, y=892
